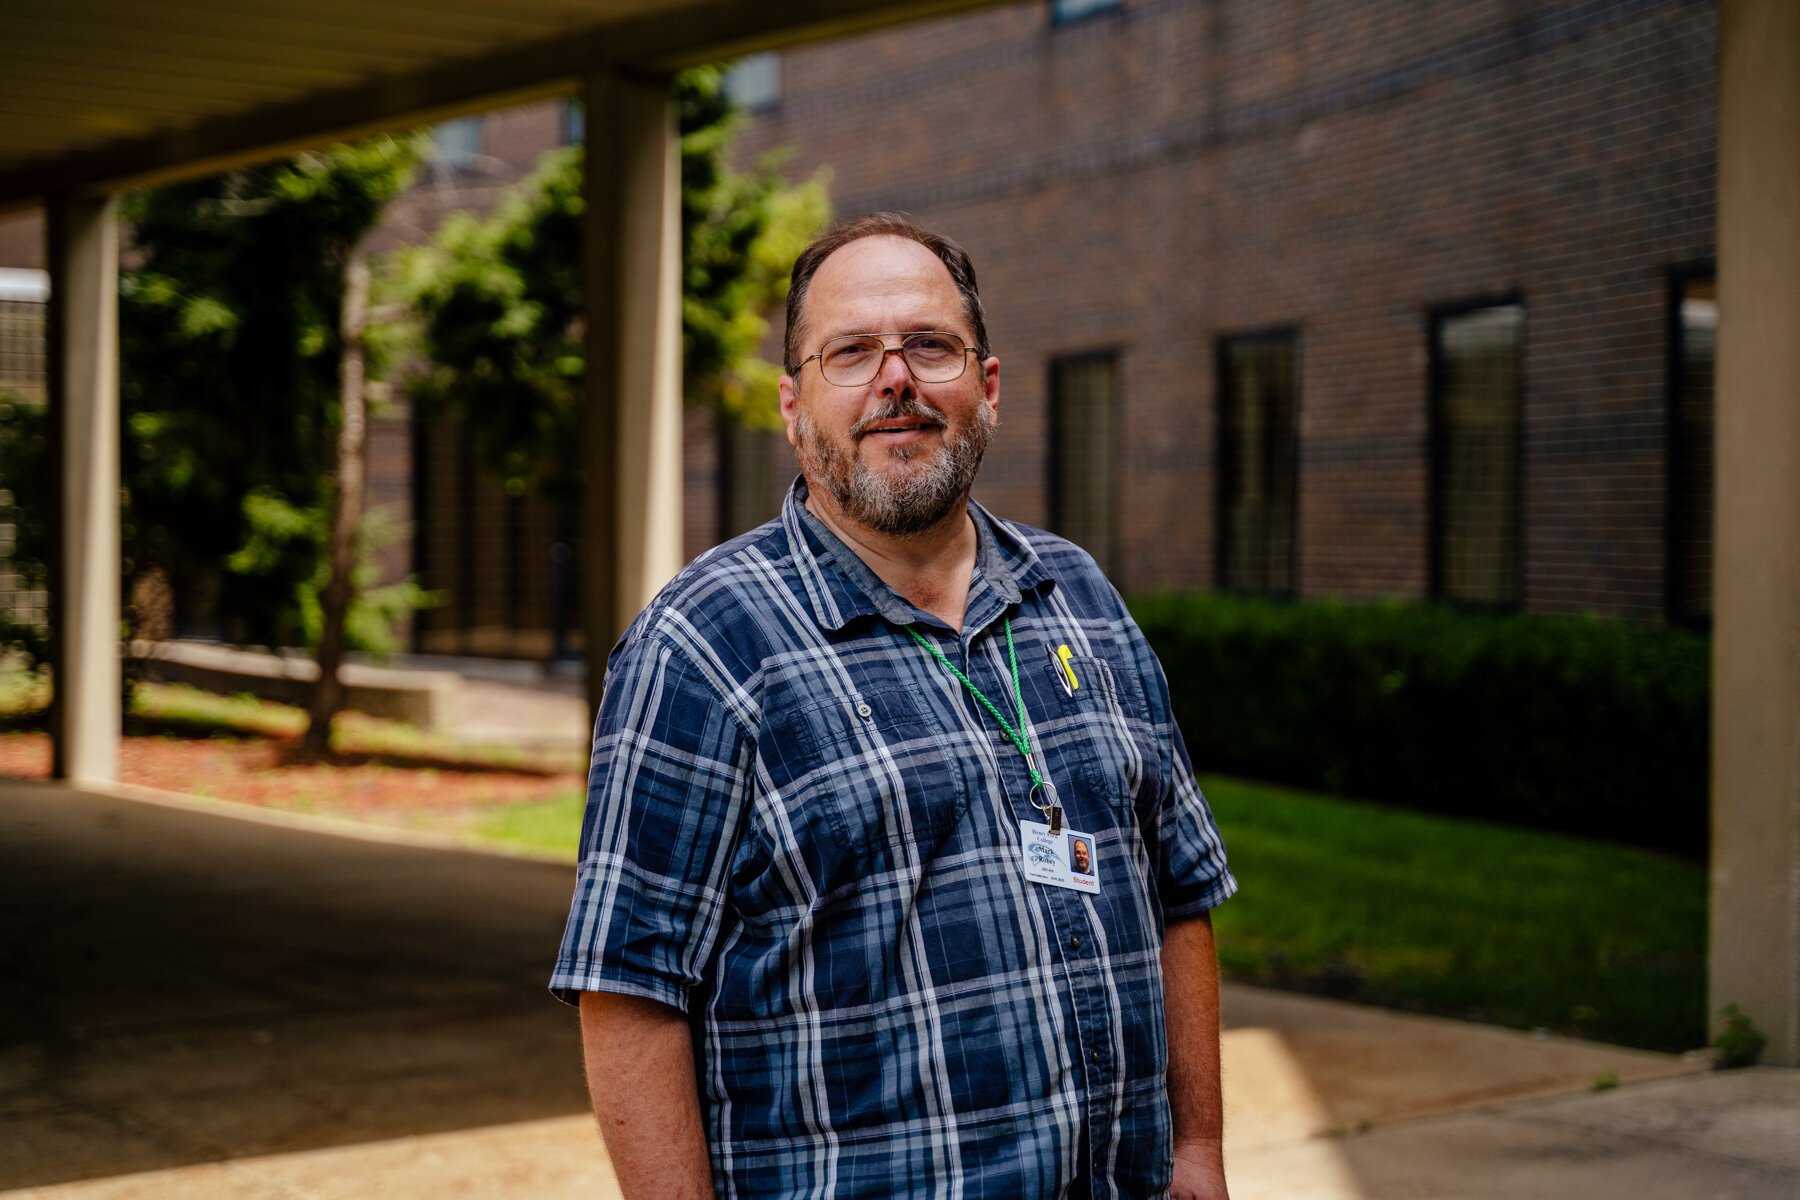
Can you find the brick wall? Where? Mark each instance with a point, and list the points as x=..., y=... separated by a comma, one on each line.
x=22, y=239
x=1152, y=179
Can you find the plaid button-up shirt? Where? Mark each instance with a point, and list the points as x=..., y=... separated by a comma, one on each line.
x=804, y=832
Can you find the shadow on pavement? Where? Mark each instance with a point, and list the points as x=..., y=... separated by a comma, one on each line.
x=179, y=986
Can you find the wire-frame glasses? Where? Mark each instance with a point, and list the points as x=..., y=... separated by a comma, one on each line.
x=854, y=359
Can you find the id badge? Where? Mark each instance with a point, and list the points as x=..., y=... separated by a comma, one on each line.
x=1066, y=859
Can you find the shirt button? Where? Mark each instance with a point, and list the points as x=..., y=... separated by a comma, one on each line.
x=1096, y=1055
x=863, y=710
x=1075, y=941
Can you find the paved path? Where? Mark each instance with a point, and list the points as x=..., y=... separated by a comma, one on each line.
x=200, y=1001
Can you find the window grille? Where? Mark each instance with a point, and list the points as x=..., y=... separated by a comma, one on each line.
x=23, y=385
x=1258, y=462
x=1476, y=396
x=1084, y=399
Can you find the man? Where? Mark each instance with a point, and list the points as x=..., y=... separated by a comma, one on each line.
x=1081, y=857
x=826, y=935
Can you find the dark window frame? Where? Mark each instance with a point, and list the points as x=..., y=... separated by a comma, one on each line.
x=1436, y=317
x=1109, y=558
x=1679, y=279
x=1224, y=466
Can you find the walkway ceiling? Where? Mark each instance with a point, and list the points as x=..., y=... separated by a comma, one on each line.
x=102, y=94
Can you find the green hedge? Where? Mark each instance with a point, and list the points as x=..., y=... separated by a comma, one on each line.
x=1583, y=725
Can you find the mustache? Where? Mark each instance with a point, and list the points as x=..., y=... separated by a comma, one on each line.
x=909, y=409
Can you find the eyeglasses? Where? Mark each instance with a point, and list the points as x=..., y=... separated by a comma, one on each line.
x=857, y=358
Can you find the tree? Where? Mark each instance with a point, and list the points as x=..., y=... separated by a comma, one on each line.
x=231, y=340
x=500, y=300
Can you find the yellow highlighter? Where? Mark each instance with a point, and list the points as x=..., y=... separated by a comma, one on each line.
x=1070, y=683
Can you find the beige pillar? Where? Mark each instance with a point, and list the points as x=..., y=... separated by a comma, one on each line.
x=1755, y=955
x=83, y=256
x=631, y=508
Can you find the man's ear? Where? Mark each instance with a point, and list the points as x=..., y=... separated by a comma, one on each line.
x=990, y=382
x=785, y=385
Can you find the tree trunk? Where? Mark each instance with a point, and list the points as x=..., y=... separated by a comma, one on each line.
x=347, y=501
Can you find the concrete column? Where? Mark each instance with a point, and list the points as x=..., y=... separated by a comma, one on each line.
x=631, y=440
x=83, y=256
x=1755, y=953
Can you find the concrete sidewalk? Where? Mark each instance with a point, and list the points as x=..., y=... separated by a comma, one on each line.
x=201, y=1001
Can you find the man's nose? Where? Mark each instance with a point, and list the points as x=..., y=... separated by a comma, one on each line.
x=895, y=374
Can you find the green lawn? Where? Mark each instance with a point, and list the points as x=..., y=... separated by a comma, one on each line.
x=1420, y=912
x=1463, y=918
x=553, y=824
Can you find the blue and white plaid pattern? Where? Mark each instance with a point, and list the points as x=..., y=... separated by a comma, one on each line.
x=804, y=832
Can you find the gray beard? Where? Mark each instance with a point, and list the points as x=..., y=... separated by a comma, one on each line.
x=909, y=504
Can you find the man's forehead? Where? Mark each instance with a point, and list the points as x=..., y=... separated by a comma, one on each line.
x=876, y=277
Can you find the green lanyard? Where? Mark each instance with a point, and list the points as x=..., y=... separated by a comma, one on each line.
x=1016, y=736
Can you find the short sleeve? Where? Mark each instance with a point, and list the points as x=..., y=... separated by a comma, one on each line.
x=1191, y=872
x=667, y=788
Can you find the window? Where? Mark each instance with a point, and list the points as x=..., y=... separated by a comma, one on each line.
x=22, y=366
x=1258, y=474
x=456, y=145
x=1084, y=399
x=753, y=82
x=1062, y=11
x=574, y=122
x=23, y=380
x=1694, y=330
x=1475, y=461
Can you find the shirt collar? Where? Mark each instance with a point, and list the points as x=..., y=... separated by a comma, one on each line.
x=841, y=587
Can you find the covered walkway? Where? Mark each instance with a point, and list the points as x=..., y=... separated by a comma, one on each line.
x=200, y=1000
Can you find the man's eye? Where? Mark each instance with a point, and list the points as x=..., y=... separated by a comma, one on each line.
x=848, y=353
x=930, y=346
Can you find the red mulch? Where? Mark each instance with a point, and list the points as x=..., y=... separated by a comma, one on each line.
x=274, y=772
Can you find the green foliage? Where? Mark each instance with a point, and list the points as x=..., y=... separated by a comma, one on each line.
x=24, y=453
x=229, y=338
x=741, y=231
x=499, y=300
x=1740, y=1043
x=1584, y=725
x=279, y=533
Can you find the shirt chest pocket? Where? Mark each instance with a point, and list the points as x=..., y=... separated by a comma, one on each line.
x=1103, y=730
x=867, y=771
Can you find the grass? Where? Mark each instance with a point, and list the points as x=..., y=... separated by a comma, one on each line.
x=1418, y=912
x=176, y=710
x=553, y=824
x=1462, y=918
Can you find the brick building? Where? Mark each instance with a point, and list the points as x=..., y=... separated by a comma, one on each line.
x=1386, y=299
